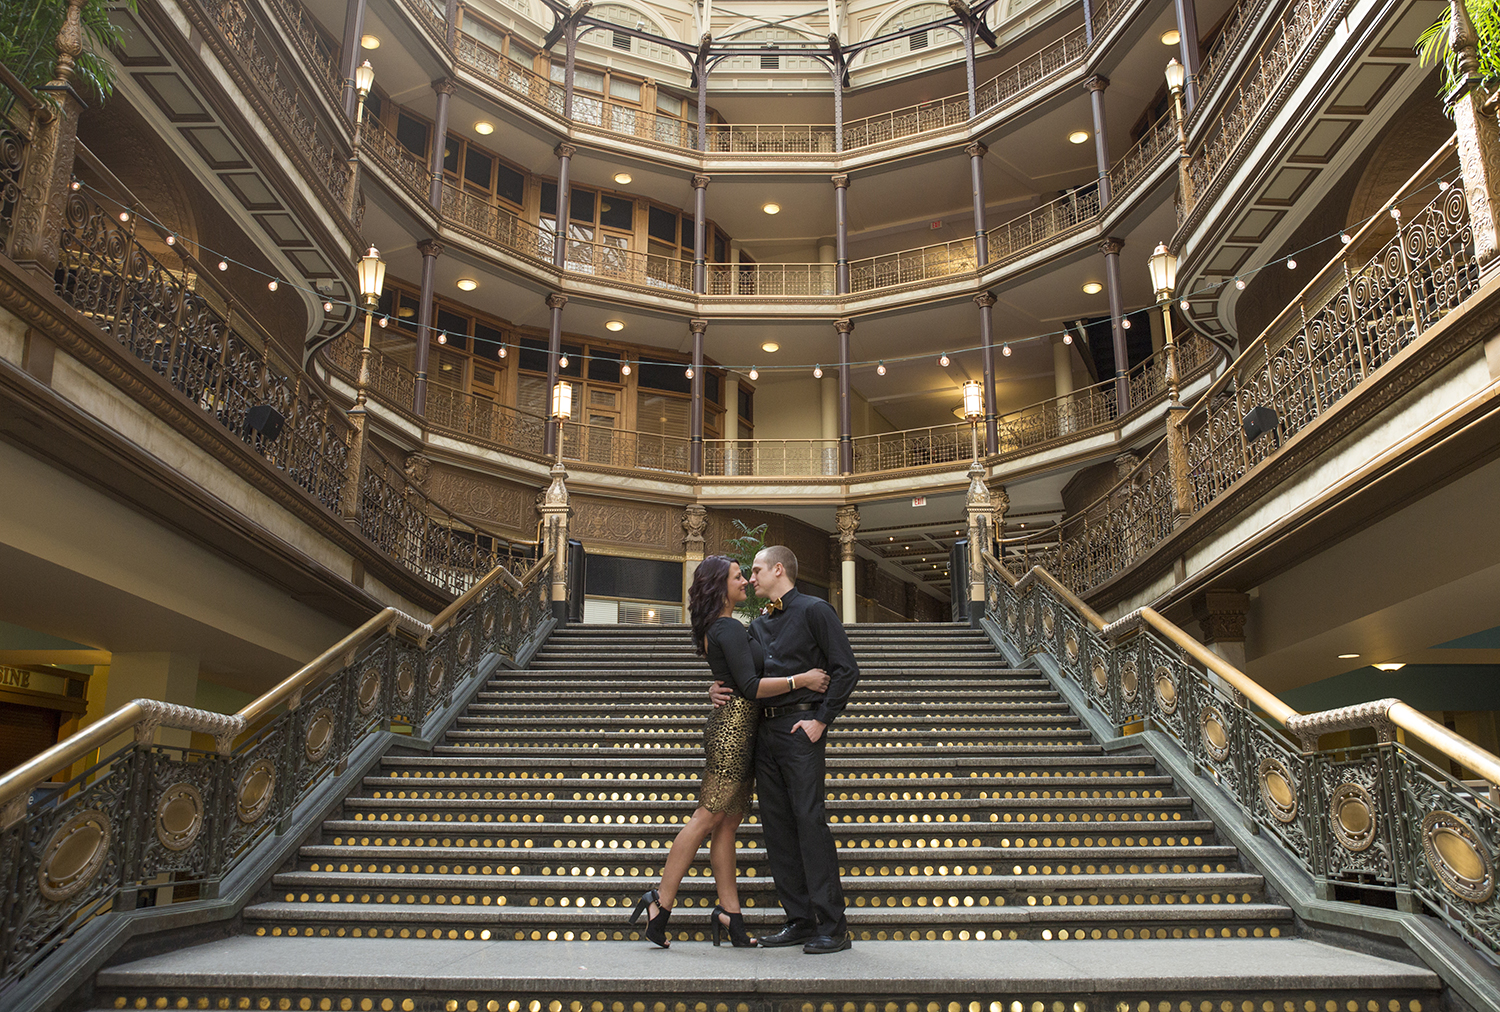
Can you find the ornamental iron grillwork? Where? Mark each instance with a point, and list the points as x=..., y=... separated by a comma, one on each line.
x=86, y=847
x=1379, y=816
x=1402, y=273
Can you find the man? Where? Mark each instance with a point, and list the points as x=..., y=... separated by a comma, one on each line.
x=799, y=632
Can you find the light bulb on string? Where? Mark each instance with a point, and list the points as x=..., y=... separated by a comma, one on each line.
x=1443, y=185
x=880, y=369
x=624, y=366
x=384, y=320
x=1346, y=238
x=1184, y=305
x=817, y=372
x=943, y=360
x=171, y=239
x=223, y=265
x=1067, y=337
x=74, y=185
x=688, y=372
x=1291, y=264
x=562, y=363
x=1005, y=349
x=1239, y=283
x=505, y=351
x=271, y=286
x=328, y=307
x=754, y=374
x=1125, y=323
x=442, y=338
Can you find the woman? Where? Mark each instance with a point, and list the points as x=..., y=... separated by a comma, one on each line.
x=729, y=745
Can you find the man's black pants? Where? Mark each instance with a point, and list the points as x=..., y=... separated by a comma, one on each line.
x=799, y=845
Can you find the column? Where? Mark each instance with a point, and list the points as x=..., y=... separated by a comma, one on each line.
x=848, y=522
x=444, y=89
x=731, y=423
x=700, y=249
x=555, y=303
x=1062, y=367
x=1187, y=28
x=565, y=153
x=829, y=276
x=986, y=303
x=845, y=327
x=841, y=237
x=1096, y=85
x=828, y=389
x=1111, y=250
x=354, y=30
x=694, y=526
x=695, y=419
x=976, y=153
x=430, y=249
x=40, y=210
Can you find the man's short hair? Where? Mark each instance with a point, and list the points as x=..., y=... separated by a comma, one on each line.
x=780, y=555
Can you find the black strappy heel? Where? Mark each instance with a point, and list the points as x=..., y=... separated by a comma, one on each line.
x=656, y=927
x=735, y=929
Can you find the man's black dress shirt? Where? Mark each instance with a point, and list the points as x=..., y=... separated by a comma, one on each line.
x=791, y=637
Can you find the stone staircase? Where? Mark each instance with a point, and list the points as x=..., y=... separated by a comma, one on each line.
x=970, y=806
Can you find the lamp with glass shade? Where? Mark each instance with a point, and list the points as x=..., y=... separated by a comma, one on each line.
x=1163, y=265
x=371, y=272
x=562, y=410
x=973, y=410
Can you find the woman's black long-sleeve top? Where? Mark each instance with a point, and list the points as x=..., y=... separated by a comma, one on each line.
x=734, y=658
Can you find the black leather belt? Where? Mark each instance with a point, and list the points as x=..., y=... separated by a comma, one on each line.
x=781, y=711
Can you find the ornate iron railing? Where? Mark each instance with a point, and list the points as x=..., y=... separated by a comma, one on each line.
x=17, y=121
x=290, y=108
x=301, y=28
x=1262, y=79
x=184, y=328
x=1377, y=816
x=85, y=847
x=408, y=169
x=1402, y=272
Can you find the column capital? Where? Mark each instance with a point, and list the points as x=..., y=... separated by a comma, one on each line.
x=1111, y=246
x=976, y=150
x=984, y=300
x=697, y=326
x=445, y=86
x=840, y=180
x=565, y=150
x=1221, y=615
x=694, y=526
x=556, y=300
x=1097, y=83
x=430, y=248
x=844, y=325
x=700, y=181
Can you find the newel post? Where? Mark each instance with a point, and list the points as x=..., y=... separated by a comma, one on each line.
x=40, y=212
x=555, y=538
x=981, y=509
x=1478, y=140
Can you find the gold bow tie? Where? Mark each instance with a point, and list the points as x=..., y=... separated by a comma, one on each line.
x=774, y=606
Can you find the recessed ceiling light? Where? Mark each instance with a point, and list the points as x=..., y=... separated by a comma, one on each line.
x=1171, y=37
x=1390, y=667
x=614, y=325
x=369, y=42
x=467, y=284
x=1347, y=657
x=1078, y=137
x=484, y=128
x=622, y=178
x=770, y=347
x=1093, y=288
x=771, y=207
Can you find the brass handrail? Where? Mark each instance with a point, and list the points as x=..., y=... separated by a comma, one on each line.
x=17, y=784
x=498, y=573
x=1415, y=723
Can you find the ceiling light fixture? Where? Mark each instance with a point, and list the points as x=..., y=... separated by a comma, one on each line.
x=1092, y=288
x=1347, y=657
x=622, y=178
x=1389, y=667
x=1078, y=137
x=484, y=128
x=466, y=284
x=369, y=42
x=614, y=325
x=771, y=207
x=1171, y=37
x=770, y=347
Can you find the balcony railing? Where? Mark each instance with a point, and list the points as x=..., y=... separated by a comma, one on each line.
x=300, y=27
x=18, y=120
x=183, y=327
x=1380, y=293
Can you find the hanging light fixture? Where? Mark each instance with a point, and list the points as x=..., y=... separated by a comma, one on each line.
x=1005, y=349
x=943, y=360
x=880, y=369
x=754, y=374
x=817, y=372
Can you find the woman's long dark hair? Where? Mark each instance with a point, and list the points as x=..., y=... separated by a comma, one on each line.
x=707, y=596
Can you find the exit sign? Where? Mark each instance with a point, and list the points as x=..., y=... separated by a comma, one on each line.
x=920, y=500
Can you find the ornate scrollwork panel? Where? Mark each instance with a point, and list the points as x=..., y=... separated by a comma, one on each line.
x=255, y=791
x=1356, y=838
x=367, y=690
x=179, y=816
x=1353, y=817
x=1458, y=857
x=74, y=854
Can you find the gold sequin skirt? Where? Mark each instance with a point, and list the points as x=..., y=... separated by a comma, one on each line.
x=729, y=745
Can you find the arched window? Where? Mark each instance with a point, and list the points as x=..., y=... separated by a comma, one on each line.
x=629, y=17
x=767, y=61
x=910, y=17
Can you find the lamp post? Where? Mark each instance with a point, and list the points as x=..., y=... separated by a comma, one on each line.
x=974, y=410
x=1176, y=78
x=371, y=271
x=1163, y=265
x=364, y=80
x=562, y=410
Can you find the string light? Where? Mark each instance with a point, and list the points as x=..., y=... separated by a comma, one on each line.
x=223, y=265
x=385, y=320
x=1184, y=305
x=880, y=369
x=328, y=307
x=943, y=360
x=1443, y=185
x=124, y=215
x=271, y=286
x=1291, y=264
x=1239, y=283
x=624, y=366
x=562, y=363
x=1067, y=337
x=754, y=374
x=1005, y=349
x=1125, y=323
x=1346, y=238
x=689, y=372
x=817, y=372
x=74, y=185
x=442, y=338
x=503, y=352
x=171, y=239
